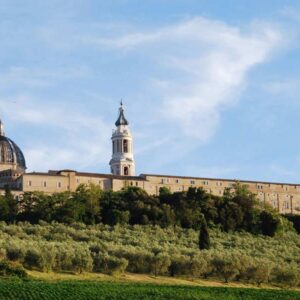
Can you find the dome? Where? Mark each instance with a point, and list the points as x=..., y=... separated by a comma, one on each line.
x=121, y=120
x=11, y=156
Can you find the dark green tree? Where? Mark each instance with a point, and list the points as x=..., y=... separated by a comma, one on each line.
x=90, y=197
x=12, y=203
x=4, y=209
x=269, y=223
x=204, y=240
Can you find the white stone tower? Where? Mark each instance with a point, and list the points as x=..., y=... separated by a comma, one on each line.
x=122, y=161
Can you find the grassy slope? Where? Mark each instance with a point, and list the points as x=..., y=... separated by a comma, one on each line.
x=140, y=278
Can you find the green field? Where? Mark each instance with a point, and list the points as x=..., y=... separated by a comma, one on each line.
x=40, y=290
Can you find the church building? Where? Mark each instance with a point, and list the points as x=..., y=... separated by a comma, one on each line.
x=284, y=197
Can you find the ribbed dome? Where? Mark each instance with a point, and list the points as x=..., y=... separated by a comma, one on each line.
x=10, y=153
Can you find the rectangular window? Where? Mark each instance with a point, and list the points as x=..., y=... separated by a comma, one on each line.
x=45, y=184
x=29, y=183
x=192, y=181
x=59, y=185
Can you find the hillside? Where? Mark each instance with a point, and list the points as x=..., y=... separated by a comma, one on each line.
x=172, y=251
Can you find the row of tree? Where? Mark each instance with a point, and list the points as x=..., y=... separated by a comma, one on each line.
x=34, y=252
x=150, y=249
x=237, y=209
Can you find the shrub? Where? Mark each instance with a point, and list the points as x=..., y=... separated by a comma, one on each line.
x=105, y=263
x=259, y=272
x=180, y=265
x=2, y=253
x=82, y=260
x=160, y=263
x=139, y=261
x=9, y=269
x=33, y=259
x=287, y=276
x=225, y=268
x=117, y=266
x=198, y=265
x=48, y=252
x=14, y=252
x=100, y=262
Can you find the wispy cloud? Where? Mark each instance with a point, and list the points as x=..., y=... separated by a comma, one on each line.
x=207, y=62
x=183, y=76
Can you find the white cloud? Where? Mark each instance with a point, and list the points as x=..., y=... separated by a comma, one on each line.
x=200, y=67
x=207, y=63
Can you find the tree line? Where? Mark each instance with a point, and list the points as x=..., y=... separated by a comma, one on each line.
x=236, y=210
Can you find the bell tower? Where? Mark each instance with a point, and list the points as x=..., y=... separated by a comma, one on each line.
x=122, y=161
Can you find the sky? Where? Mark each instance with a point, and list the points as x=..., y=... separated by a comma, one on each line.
x=211, y=88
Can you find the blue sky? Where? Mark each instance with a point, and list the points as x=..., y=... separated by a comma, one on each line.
x=211, y=87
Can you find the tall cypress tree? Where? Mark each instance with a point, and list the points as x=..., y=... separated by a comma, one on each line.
x=204, y=240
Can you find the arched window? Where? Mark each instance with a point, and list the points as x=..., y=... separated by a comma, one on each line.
x=126, y=171
x=125, y=146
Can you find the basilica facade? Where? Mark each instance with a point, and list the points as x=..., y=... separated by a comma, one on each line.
x=283, y=197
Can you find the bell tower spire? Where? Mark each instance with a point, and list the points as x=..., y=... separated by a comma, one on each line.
x=122, y=161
